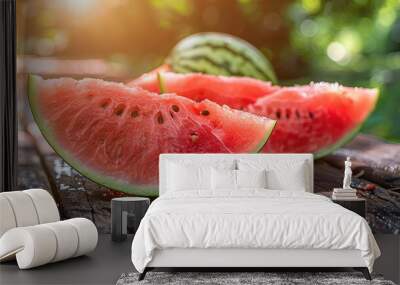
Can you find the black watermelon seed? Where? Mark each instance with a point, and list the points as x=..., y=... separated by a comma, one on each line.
x=135, y=113
x=160, y=118
x=311, y=115
x=278, y=114
x=297, y=114
x=175, y=108
x=119, y=110
x=205, y=112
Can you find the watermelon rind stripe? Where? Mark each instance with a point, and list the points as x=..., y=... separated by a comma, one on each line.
x=239, y=53
x=202, y=66
x=242, y=53
x=183, y=69
x=96, y=177
x=220, y=59
x=195, y=61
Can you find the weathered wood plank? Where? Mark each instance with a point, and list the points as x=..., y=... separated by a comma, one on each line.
x=378, y=161
x=383, y=207
x=73, y=196
x=30, y=173
x=383, y=215
x=326, y=177
x=80, y=196
x=376, y=170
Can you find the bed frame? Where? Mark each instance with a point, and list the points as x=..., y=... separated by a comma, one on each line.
x=250, y=259
x=242, y=259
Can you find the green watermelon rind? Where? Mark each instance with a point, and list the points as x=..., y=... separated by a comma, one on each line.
x=345, y=139
x=93, y=175
x=233, y=45
x=96, y=177
x=265, y=138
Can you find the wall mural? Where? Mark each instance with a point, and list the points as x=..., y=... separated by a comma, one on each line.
x=107, y=111
x=114, y=133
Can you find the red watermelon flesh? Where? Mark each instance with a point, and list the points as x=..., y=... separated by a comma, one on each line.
x=236, y=92
x=315, y=118
x=113, y=134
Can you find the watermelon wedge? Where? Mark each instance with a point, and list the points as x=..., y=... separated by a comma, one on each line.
x=316, y=118
x=236, y=92
x=113, y=134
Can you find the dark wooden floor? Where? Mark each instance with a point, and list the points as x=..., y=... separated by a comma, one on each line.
x=103, y=266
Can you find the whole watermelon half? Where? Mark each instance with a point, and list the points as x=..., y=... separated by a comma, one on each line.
x=219, y=54
x=315, y=118
x=114, y=134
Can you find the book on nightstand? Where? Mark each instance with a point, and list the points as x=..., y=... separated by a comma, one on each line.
x=344, y=194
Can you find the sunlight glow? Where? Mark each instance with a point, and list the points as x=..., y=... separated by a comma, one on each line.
x=76, y=6
x=336, y=52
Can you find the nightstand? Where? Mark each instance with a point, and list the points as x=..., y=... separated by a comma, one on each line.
x=357, y=205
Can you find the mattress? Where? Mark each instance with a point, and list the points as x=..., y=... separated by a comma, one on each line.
x=250, y=219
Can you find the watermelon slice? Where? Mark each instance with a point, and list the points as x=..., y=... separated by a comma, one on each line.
x=113, y=134
x=236, y=92
x=315, y=118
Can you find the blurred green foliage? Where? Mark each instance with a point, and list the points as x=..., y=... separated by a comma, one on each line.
x=356, y=43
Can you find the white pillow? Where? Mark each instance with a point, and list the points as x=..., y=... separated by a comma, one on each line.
x=292, y=178
x=251, y=178
x=288, y=175
x=223, y=179
x=182, y=177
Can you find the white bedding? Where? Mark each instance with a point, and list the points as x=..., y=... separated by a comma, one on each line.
x=252, y=218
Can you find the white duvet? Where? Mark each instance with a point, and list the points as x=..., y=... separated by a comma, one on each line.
x=255, y=218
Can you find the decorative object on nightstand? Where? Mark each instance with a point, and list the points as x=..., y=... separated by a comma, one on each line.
x=126, y=213
x=345, y=193
x=347, y=196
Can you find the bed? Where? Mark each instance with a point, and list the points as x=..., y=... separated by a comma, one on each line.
x=246, y=211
